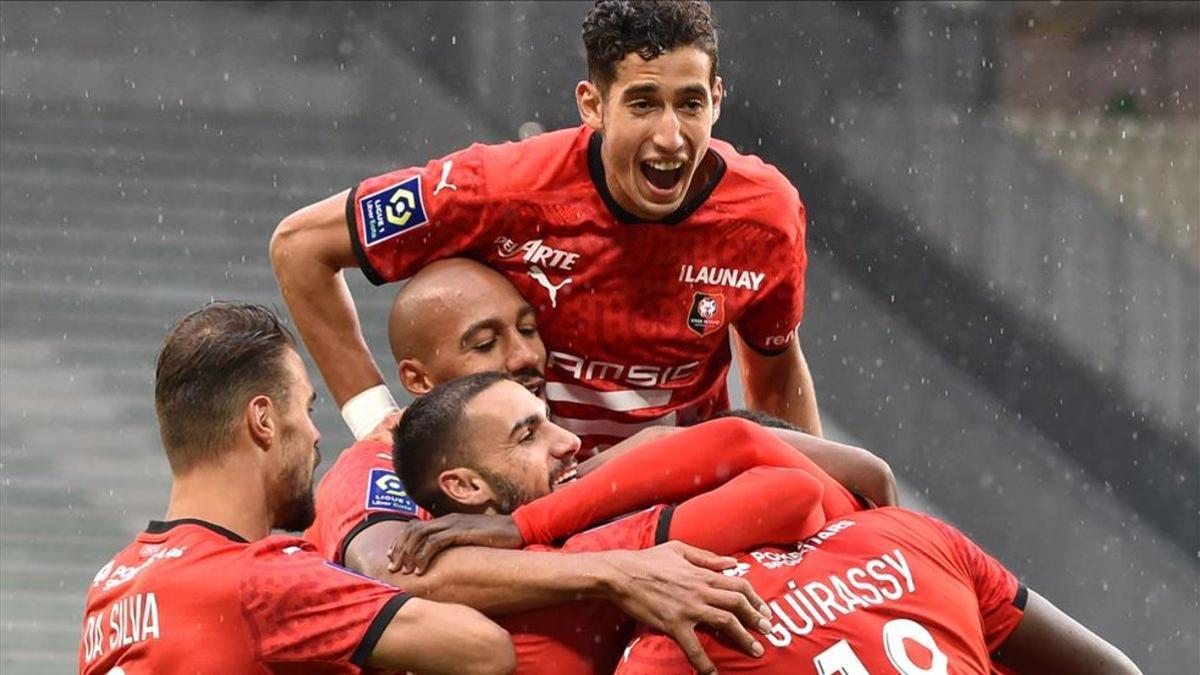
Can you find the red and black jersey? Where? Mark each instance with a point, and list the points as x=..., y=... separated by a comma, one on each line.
x=190, y=596
x=360, y=489
x=635, y=315
x=887, y=590
x=765, y=492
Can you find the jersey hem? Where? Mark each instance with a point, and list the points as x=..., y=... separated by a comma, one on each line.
x=360, y=254
x=662, y=531
x=375, y=631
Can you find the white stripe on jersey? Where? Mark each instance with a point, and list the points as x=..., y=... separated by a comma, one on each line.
x=609, y=428
x=621, y=400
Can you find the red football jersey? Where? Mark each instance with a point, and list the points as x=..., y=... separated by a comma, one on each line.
x=358, y=490
x=635, y=315
x=881, y=591
x=190, y=596
x=586, y=636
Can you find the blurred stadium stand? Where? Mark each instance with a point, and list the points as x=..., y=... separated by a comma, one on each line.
x=1015, y=328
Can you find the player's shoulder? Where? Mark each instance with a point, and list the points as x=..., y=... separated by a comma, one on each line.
x=550, y=161
x=362, y=455
x=756, y=190
x=281, y=549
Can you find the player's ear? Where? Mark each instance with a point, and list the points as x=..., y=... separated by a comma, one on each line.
x=259, y=418
x=591, y=104
x=718, y=95
x=414, y=377
x=465, y=486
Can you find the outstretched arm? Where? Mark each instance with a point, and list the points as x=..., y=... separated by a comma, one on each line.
x=667, y=470
x=740, y=514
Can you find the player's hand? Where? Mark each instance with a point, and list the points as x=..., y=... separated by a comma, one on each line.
x=421, y=540
x=383, y=432
x=673, y=588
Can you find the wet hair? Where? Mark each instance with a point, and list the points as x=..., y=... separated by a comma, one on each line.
x=762, y=419
x=212, y=363
x=428, y=439
x=648, y=28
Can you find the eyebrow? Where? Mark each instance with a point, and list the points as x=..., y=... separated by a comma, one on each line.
x=489, y=324
x=527, y=421
x=649, y=88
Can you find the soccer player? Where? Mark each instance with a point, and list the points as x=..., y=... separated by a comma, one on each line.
x=640, y=240
x=474, y=320
x=872, y=591
x=207, y=589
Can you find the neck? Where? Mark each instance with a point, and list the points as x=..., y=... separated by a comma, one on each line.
x=230, y=494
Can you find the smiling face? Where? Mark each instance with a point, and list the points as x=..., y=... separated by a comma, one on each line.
x=656, y=117
x=458, y=317
x=519, y=453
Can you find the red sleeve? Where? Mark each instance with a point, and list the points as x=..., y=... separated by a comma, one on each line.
x=666, y=470
x=1001, y=596
x=653, y=654
x=402, y=220
x=742, y=514
x=769, y=325
x=359, y=490
x=300, y=607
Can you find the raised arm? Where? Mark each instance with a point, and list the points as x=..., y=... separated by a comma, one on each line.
x=309, y=250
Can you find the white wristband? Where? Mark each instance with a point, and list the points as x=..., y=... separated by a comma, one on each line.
x=367, y=409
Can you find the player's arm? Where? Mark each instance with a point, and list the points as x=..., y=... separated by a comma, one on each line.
x=652, y=587
x=859, y=470
x=742, y=514
x=429, y=637
x=1047, y=640
x=780, y=384
x=433, y=637
x=672, y=468
x=309, y=250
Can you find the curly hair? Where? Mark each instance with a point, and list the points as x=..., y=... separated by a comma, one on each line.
x=648, y=28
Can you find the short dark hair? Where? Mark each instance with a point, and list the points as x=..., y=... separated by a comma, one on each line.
x=649, y=28
x=212, y=362
x=428, y=438
x=760, y=418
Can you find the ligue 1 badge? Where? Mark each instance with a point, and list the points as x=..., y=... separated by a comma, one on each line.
x=707, y=314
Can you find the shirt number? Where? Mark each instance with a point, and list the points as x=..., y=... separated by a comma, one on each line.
x=840, y=658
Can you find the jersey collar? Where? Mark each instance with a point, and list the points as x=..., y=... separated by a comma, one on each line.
x=164, y=526
x=596, y=169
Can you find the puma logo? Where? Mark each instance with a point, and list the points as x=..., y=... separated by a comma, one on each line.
x=443, y=183
x=540, y=277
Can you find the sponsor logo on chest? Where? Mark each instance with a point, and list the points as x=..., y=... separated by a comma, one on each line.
x=721, y=276
x=534, y=252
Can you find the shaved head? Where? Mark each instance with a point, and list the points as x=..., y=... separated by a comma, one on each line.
x=458, y=317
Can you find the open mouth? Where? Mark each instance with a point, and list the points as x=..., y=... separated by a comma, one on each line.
x=663, y=176
x=566, y=477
